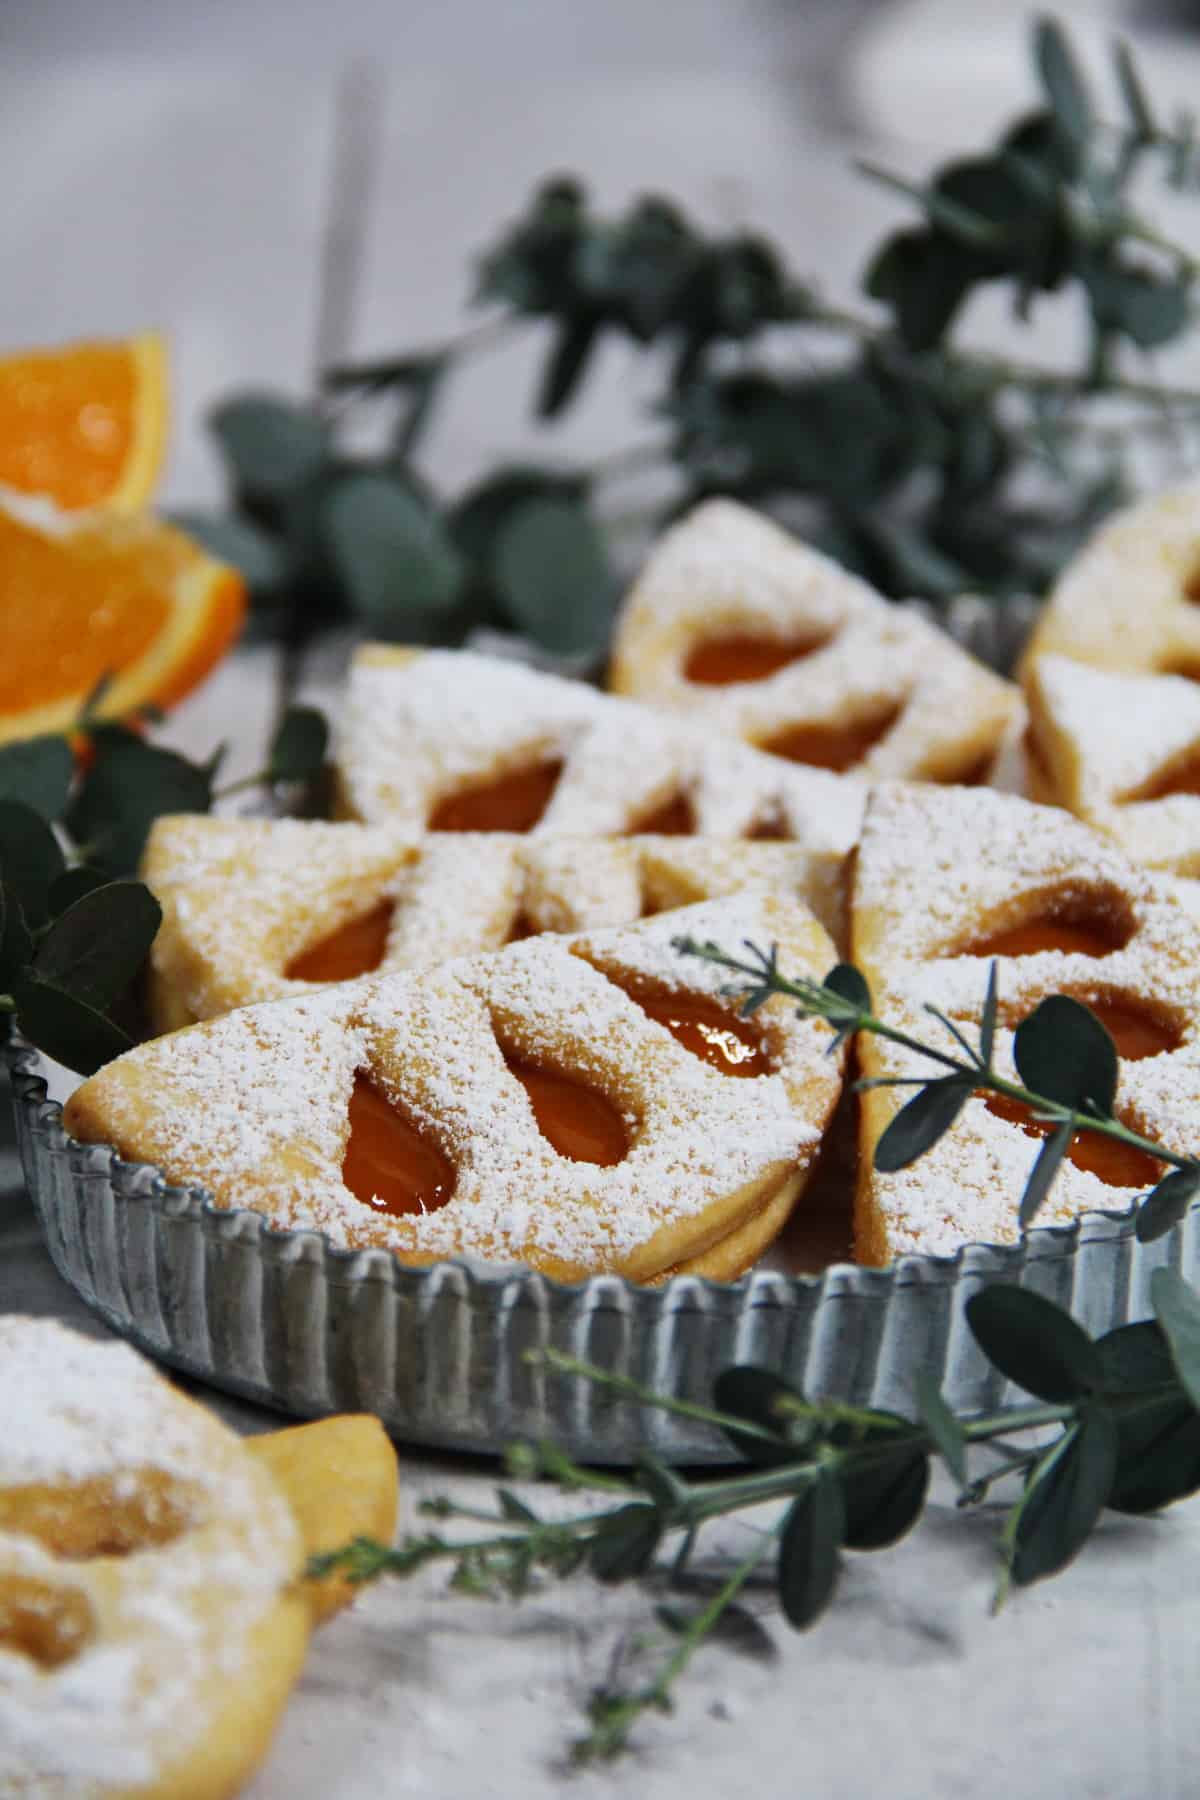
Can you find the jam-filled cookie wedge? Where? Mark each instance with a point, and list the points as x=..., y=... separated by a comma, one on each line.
x=1123, y=753
x=945, y=885
x=446, y=740
x=578, y=1104
x=254, y=909
x=152, y=1609
x=738, y=626
x=1128, y=600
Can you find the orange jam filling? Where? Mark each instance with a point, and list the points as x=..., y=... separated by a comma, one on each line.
x=674, y=818
x=1191, y=587
x=353, y=949
x=710, y=1031
x=1136, y=1033
x=1116, y=1164
x=722, y=662
x=1073, y=937
x=836, y=747
x=389, y=1164
x=512, y=802
x=576, y=1120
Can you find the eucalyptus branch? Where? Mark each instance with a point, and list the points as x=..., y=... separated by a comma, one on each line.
x=1085, y=1075
x=1121, y=1412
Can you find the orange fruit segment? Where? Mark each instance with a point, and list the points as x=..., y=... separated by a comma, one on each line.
x=110, y=594
x=85, y=425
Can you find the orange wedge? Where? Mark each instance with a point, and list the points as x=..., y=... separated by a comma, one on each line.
x=85, y=425
x=109, y=594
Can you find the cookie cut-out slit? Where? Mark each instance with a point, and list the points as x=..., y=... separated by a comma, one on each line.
x=705, y=1027
x=1180, y=777
x=512, y=802
x=575, y=1119
x=1072, y=928
x=1191, y=585
x=101, y=1516
x=769, y=829
x=50, y=1625
x=356, y=948
x=521, y=928
x=389, y=1163
x=675, y=817
x=1114, y=1163
x=836, y=747
x=742, y=657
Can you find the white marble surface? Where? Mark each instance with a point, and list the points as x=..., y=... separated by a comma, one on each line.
x=182, y=175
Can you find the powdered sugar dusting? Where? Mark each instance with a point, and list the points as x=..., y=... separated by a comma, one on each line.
x=254, y=1104
x=726, y=571
x=988, y=861
x=242, y=897
x=418, y=729
x=1108, y=736
x=139, y=1693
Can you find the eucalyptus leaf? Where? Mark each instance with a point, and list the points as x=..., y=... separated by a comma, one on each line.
x=849, y=984
x=566, y=365
x=1066, y=1496
x=72, y=885
x=129, y=785
x=987, y=1022
x=625, y=1543
x=37, y=771
x=1158, y=1457
x=476, y=520
x=1034, y=1343
x=754, y=1394
x=259, y=556
x=808, y=1550
x=919, y=1124
x=1041, y=1177
x=67, y=1028
x=1064, y=1054
x=1177, y=1309
x=30, y=859
x=884, y=1502
x=272, y=445
x=298, y=748
x=392, y=551
x=552, y=572
x=1136, y=1358
x=1167, y=1204
x=95, y=948
x=16, y=940
x=1137, y=103
x=942, y=1425
x=1150, y=309
x=1064, y=85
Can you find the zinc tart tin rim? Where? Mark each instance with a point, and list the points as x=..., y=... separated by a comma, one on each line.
x=289, y=1319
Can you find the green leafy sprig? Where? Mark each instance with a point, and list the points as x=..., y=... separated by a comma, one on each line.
x=923, y=463
x=1064, y=1055
x=1114, y=1423
x=75, y=926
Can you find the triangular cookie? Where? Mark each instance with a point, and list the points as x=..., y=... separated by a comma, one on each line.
x=1128, y=599
x=445, y=739
x=1122, y=752
x=942, y=882
x=739, y=626
x=254, y=909
x=590, y=1031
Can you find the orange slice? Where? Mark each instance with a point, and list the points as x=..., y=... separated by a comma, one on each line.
x=85, y=425
x=111, y=594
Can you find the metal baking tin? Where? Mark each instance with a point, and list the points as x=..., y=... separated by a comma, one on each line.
x=440, y=1354
x=288, y=1319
